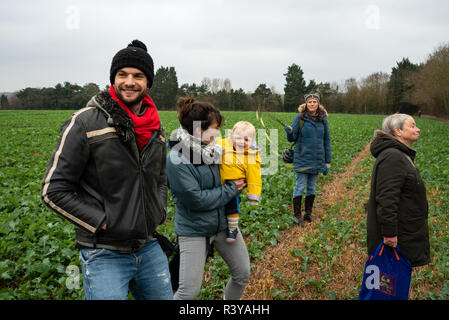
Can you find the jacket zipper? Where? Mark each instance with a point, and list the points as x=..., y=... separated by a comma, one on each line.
x=143, y=197
x=213, y=185
x=139, y=159
x=139, y=164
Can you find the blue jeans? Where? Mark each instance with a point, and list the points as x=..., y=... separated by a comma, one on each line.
x=108, y=275
x=304, y=181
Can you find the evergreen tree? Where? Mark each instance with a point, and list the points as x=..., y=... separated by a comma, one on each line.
x=223, y=100
x=240, y=100
x=165, y=88
x=312, y=87
x=295, y=88
x=4, y=101
x=261, y=95
x=400, y=86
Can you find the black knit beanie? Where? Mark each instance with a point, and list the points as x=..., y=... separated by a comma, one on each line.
x=136, y=56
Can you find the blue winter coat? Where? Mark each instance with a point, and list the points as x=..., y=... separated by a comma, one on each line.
x=199, y=196
x=313, y=147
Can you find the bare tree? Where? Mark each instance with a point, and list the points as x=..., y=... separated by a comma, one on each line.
x=351, y=99
x=215, y=85
x=207, y=83
x=227, y=85
x=432, y=83
x=373, y=92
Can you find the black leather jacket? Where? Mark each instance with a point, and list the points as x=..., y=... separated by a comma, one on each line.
x=97, y=176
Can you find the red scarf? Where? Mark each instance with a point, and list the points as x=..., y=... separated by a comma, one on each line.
x=146, y=123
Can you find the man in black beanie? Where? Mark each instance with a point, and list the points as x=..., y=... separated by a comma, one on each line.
x=134, y=55
x=134, y=59
x=107, y=177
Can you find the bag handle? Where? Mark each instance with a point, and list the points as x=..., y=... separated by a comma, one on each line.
x=382, y=250
x=395, y=252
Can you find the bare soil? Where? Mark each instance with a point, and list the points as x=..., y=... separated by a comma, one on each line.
x=280, y=267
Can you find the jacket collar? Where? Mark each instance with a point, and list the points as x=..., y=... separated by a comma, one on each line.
x=116, y=116
x=383, y=140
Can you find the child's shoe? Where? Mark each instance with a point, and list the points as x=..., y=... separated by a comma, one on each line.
x=231, y=236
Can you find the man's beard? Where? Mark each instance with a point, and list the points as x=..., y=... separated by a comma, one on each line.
x=132, y=102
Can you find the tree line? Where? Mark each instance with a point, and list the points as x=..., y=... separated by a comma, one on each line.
x=63, y=96
x=409, y=88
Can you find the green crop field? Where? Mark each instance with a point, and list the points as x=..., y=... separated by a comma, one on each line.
x=38, y=259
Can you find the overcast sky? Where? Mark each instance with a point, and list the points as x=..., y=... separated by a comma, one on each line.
x=43, y=43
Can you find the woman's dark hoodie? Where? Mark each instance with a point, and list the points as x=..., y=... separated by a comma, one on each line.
x=397, y=205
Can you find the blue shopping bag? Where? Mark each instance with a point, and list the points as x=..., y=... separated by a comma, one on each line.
x=386, y=276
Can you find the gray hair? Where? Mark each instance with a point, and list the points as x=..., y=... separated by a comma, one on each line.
x=396, y=120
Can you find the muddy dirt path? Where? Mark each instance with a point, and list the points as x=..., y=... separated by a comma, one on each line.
x=280, y=270
x=444, y=120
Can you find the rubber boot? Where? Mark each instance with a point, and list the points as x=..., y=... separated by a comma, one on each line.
x=308, y=205
x=297, y=210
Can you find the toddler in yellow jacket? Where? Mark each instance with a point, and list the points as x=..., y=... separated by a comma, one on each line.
x=240, y=160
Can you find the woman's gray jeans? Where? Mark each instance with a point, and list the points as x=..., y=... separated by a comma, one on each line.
x=193, y=258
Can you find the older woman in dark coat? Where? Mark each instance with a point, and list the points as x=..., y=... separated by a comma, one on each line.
x=397, y=208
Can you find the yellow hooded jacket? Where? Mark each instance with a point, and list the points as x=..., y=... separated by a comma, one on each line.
x=239, y=165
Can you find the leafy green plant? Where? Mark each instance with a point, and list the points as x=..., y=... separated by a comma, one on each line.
x=37, y=246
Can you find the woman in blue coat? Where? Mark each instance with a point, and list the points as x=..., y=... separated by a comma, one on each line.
x=310, y=132
x=195, y=184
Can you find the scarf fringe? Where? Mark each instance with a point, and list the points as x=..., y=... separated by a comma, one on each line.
x=209, y=154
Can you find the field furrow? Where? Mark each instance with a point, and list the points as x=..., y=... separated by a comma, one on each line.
x=321, y=260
